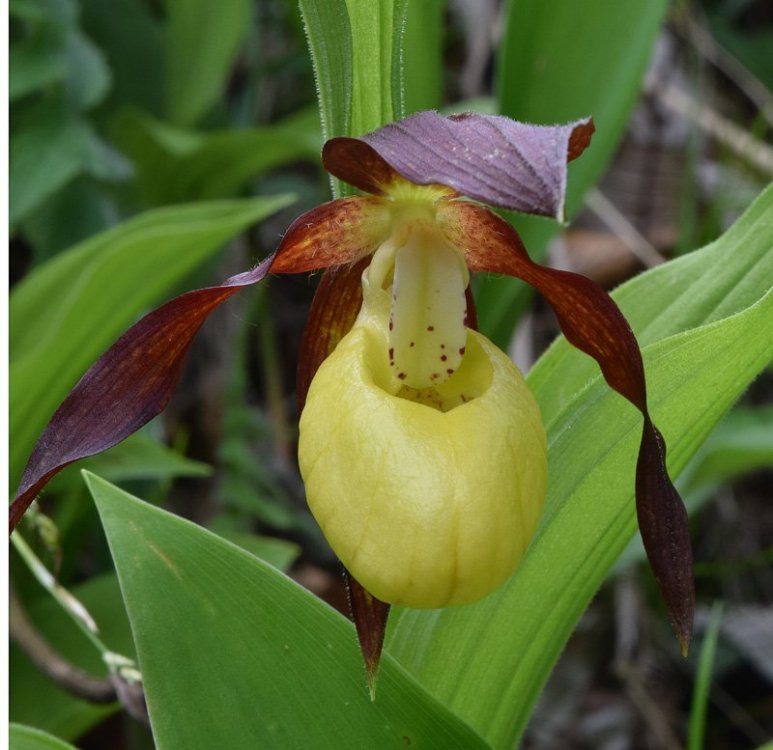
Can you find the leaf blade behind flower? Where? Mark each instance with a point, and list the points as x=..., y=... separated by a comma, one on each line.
x=505, y=646
x=259, y=661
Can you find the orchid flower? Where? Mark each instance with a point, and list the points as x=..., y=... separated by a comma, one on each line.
x=421, y=448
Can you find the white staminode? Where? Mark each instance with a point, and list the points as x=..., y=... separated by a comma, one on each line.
x=427, y=327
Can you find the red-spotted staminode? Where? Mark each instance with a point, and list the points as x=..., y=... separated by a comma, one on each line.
x=421, y=448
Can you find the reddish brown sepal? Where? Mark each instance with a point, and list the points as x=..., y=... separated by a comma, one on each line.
x=355, y=162
x=370, y=618
x=333, y=234
x=592, y=322
x=333, y=311
x=125, y=388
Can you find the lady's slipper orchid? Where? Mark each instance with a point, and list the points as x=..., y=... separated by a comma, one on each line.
x=421, y=448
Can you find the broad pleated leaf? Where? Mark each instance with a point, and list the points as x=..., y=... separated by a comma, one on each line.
x=235, y=655
x=706, y=324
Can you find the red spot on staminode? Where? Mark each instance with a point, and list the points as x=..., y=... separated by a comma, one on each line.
x=413, y=343
x=391, y=353
x=450, y=371
x=391, y=324
x=443, y=358
x=462, y=350
x=430, y=328
x=401, y=375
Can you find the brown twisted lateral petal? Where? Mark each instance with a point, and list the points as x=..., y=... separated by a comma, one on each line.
x=126, y=387
x=592, y=322
x=489, y=158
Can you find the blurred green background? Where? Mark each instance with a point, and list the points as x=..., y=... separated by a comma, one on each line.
x=145, y=119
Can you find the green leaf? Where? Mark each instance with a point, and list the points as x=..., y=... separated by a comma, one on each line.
x=203, y=39
x=423, y=55
x=277, y=552
x=34, y=699
x=221, y=634
x=700, y=696
x=36, y=10
x=56, y=50
x=356, y=49
x=376, y=44
x=29, y=738
x=329, y=36
x=66, y=312
x=46, y=153
x=706, y=323
x=88, y=77
x=175, y=164
x=137, y=457
x=741, y=443
x=135, y=67
x=79, y=210
x=33, y=63
x=560, y=61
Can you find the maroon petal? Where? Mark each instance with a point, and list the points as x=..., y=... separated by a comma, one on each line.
x=491, y=158
x=591, y=321
x=126, y=387
x=358, y=164
x=341, y=231
x=370, y=618
x=334, y=309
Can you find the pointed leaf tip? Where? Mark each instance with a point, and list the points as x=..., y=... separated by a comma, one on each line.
x=490, y=158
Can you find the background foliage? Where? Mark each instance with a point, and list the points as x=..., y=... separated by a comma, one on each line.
x=172, y=148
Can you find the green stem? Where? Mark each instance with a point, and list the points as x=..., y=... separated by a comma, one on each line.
x=116, y=663
x=700, y=696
